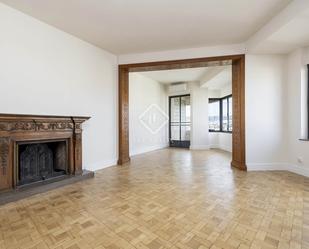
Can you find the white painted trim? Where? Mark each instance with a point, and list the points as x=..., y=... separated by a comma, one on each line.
x=199, y=147
x=149, y=149
x=102, y=164
x=266, y=166
x=300, y=170
x=214, y=146
x=226, y=148
x=221, y=147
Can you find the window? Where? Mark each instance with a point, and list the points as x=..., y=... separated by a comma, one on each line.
x=214, y=115
x=230, y=114
x=220, y=114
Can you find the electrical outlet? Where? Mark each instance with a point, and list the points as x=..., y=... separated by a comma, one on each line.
x=300, y=160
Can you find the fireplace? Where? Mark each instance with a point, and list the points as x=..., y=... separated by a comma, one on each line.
x=37, y=149
x=41, y=161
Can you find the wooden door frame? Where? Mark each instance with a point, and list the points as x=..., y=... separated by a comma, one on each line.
x=238, y=90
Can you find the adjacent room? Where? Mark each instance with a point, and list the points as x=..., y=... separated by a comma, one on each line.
x=181, y=108
x=154, y=124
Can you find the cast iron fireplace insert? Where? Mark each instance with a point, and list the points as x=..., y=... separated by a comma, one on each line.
x=41, y=160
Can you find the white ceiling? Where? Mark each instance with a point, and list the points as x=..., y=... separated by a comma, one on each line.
x=132, y=26
x=213, y=78
x=288, y=37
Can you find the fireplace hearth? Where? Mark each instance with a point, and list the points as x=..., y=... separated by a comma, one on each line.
x=39, y=149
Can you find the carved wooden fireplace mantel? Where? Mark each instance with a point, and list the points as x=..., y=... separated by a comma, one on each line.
x=16, y=129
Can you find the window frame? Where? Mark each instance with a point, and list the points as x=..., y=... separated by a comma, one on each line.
x=307, y=101
x=220, y=100
x=213, y=100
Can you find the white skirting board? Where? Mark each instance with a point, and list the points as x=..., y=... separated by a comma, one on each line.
x=221, y=147
x=300, y=170
x=199, y=147
x=148, y=149
x=212, y=146
x=102, y=165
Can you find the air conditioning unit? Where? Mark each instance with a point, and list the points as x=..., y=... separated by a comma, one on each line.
x=177, y=87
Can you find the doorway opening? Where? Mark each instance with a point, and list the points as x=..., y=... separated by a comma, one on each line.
x=179, y=121
x=238, y=104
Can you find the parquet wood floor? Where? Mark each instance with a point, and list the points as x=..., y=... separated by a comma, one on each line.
x=171, y=198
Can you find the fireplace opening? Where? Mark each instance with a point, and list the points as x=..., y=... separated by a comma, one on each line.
x=41, y=161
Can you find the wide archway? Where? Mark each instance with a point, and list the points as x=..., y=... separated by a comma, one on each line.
x=238, y=89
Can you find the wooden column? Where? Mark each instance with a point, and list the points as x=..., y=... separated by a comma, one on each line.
x=124, y=156
x=238, y=90
x=77, y=138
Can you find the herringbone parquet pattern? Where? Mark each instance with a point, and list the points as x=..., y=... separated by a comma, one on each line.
x=166, y=199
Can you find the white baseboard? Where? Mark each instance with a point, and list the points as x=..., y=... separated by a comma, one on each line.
x=221, y=147
x=148, y=149
x=300, y=170
x=199, y=147
x=266, y=166
x=102, y=165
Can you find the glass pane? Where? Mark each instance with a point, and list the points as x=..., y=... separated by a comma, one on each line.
x=214, y=116
x=185, y=109
x=175, y=110
x=230, y=114
x=185, y=133
x=175, y=132
x=224, y=115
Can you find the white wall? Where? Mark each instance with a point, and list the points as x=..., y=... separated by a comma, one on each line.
x=298, y=156
x=265, y=113
x=199, y=117
x=220, y=140
x=46, y=71
x=145, y=93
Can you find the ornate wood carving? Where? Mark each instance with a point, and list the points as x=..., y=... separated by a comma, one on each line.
x=4, y=154
x=4, y=162
x=36, y=126
x=17, y=128
x=238, y=65
x=78, y=153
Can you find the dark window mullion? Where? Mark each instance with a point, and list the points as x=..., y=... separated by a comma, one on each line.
x=227, y=115
x=180, y=119
x=221, y=116
x=308, y=102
